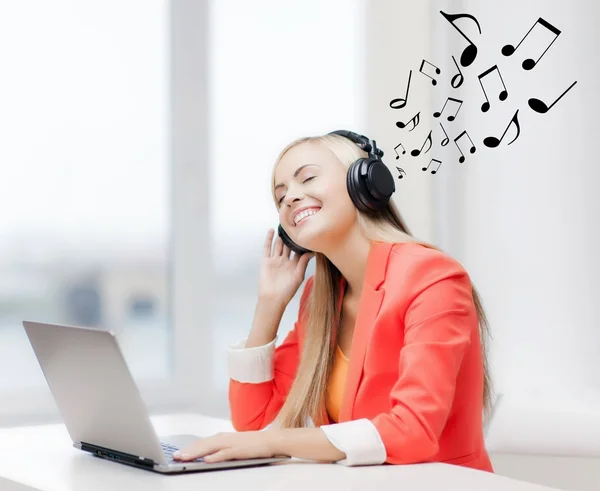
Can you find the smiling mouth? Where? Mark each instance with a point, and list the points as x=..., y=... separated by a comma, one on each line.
x=304, y=215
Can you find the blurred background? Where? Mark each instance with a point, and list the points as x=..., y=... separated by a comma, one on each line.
x=139, y=138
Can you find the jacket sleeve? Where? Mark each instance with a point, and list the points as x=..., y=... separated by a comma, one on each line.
x=261, y=377
x=439, y=322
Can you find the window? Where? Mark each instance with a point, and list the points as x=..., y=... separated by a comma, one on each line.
x=123, y=190
x=84, y=180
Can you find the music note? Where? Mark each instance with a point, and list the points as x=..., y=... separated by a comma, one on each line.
x=503, y=94
x=541, y=107
x=403, y=150
x=447, y=140
x=415, y=121
x=437, y=70
x=470, y=52
x=437, y=114
x=461, y=159
x=459, y=75
x=401, y=171
x=493, y=142
x=529, y=63
x=433, y=171
x=416, y=152
x=400, y=100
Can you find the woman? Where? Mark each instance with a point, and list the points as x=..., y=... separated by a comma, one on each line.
x=387, y=361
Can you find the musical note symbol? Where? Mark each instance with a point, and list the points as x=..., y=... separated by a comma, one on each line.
x=437, y=114
x=459, y=75
x=400, y=100
x=447, y=140
x=416, y=152
x=493, y=142
x=433, y=171
x=529, y=63
x=470, y=52
x=461, y=159
x=437, y=70
x=415, y=121
x=401, y=171
x=403, y=150
x=503, y=94
x=541, y=107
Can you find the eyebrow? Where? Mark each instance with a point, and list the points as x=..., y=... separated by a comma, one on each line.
x=295, y=174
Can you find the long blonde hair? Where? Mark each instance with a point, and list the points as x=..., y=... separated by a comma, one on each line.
x=307, y=395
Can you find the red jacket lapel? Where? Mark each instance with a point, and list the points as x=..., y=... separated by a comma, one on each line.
x=369, y=305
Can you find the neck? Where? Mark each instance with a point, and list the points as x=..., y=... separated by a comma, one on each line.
x=350, y=258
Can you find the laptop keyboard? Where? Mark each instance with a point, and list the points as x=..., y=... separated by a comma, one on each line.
x=169, y=450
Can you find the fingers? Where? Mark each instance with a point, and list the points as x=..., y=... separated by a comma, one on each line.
x=200, y=448
x=224, y=454
x=304, y=258
x=271, y=249
x=286, y=251
x=278, y=248
x=268, y=242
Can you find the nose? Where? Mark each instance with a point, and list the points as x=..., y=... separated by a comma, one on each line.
x=292, y=195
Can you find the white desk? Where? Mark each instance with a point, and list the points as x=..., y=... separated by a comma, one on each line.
x=43, y=458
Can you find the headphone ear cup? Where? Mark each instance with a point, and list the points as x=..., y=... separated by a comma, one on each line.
x=285, y=238
x=370, y=184
x=356, y=188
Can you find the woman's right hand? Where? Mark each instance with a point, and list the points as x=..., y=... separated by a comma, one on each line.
x=280, y=274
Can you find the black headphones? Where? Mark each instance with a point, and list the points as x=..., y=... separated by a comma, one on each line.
x=370, y=183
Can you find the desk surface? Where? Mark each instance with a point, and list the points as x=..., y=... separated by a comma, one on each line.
x=43, y=458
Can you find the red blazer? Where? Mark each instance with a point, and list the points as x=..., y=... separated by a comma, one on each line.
x=415, y=367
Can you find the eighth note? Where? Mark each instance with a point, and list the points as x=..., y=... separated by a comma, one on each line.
x=459, y=75
x=461, y=159
x=433, y=171
x=416, y=152
x=437, y=70
x=451, y=117
x=447, y=140
x=493, y=142
x=470, y=52
x=401, y=171
x=415, y=121
x=402, y=102
x=529, y=63
x=403, y=150
x=503, y=94
x=541, y=107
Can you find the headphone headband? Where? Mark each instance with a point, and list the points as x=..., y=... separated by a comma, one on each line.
x=362, y=141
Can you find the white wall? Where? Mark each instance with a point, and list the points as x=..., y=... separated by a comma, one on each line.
x=521, y=218
x=528, y=231
x=397, y=38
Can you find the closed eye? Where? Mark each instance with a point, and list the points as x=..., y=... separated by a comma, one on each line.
x=305, y=180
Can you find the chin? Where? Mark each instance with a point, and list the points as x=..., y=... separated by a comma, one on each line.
x=313, y=236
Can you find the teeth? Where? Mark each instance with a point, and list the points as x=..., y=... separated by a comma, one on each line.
x=304, y=214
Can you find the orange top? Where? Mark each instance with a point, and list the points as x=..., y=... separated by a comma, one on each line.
x=335, y=391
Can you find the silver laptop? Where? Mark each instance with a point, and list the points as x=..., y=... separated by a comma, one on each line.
x=101, y=405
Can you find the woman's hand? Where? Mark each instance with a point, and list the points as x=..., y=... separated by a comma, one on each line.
x=230, y=446
x=303, y=443
x=280, y=274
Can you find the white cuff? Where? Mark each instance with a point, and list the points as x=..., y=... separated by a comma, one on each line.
x=359, y=440
x=251, y=365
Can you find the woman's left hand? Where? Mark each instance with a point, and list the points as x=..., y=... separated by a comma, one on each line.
x=231, y=446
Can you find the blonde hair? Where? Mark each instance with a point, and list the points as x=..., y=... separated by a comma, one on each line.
x=307, y=395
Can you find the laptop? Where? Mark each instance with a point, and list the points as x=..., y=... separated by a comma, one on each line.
x=101, y=404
